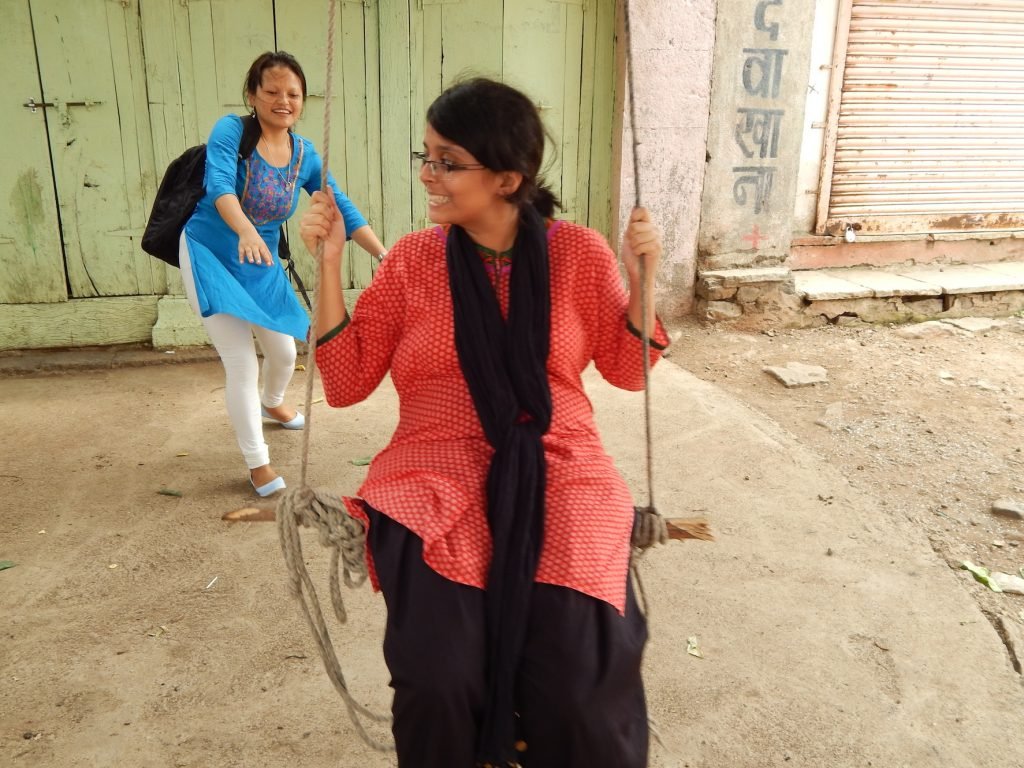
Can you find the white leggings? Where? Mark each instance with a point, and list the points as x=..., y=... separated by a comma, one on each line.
x=232, y=338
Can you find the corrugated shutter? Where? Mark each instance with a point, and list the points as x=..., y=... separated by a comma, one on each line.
x=929, y=131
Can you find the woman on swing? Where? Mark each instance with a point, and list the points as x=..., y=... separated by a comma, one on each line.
x=498, y=527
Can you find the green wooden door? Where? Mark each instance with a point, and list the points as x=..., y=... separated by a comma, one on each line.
x=393, y=57
x=90, y=62
x=31, y=263
x=355, y=139
x=559, y=52
x=225, y=37
x=196, y=56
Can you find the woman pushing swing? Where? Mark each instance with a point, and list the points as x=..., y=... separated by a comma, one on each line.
x=498, y=529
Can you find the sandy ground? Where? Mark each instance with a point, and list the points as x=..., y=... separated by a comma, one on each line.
x=927, y=418
x=140, y=630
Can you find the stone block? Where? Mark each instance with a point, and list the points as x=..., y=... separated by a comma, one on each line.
x=747, y=294
x=1008, y=508
x=713, y=290
x=722, y=310
x=825, y=286
x=966, y=278
x=794, y=374
x=922, y=308
x=177, y=325
x=747, y=275
x=720, y=294
x=884, y=283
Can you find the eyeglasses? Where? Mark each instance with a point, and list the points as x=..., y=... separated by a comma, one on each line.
x=439, y=169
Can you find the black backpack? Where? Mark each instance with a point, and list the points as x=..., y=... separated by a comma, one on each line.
x=180, y=191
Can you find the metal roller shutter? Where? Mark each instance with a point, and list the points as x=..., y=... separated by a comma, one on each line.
x=927, y=131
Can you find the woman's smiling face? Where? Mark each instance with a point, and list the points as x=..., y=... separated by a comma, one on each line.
x=460, y=197
x=278, y=99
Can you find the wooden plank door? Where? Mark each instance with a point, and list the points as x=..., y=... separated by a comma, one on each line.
x=559, y=52
x=31, y=260
x=355, y=140
x=543, y=54
x=197, y=54
x=90, y=61
x=451, y=40
x=225, y=37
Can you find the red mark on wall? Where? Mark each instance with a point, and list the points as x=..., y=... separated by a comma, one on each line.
x=754, y=237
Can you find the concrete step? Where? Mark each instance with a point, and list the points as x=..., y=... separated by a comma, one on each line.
x=930, y=280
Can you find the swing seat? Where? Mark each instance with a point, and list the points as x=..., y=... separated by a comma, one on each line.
x=650, y=528
x=680, y=528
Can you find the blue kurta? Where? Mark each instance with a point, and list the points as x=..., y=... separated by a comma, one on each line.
x=268, y=194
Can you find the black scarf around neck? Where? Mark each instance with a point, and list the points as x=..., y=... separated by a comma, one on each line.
x=505, y=367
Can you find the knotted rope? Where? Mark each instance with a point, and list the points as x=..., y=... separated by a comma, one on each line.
x=649, y=527
x=322, y=509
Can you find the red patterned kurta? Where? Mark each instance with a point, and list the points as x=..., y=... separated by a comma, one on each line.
x=431, y=476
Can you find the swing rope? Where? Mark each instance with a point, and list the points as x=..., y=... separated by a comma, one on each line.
x=320, y=509
x=649, y=527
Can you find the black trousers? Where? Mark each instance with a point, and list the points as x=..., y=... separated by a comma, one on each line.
x=580, y=696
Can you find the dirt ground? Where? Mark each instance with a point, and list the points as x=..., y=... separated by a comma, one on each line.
x=139, y=630
x=933, y=427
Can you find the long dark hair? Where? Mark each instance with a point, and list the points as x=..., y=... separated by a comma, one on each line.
x=268, y=60
x=502, y=129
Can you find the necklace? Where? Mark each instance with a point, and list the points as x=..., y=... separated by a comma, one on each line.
x=287, y=176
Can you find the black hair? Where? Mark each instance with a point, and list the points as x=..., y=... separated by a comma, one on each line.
x=269, y=60
x=502, y=129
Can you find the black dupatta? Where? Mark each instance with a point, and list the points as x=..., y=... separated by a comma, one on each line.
x=505, y=367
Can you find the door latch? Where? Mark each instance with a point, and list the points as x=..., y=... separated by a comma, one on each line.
x=33, y=105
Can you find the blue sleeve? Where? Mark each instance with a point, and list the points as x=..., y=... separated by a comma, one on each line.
x=222, y=156
x=353, y=218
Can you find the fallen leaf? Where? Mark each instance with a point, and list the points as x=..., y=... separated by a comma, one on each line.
x=183, y=453
x=5, y=564
x=981, y=574
x=169, y=492
x=361, y=462
x=692, y=648
x=300, y=367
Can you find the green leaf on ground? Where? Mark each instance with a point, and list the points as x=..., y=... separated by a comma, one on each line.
x=361, y=462
x=169, y=492
x=5, y=564
x=981, y=574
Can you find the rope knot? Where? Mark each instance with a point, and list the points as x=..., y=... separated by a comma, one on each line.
x=649, y=528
